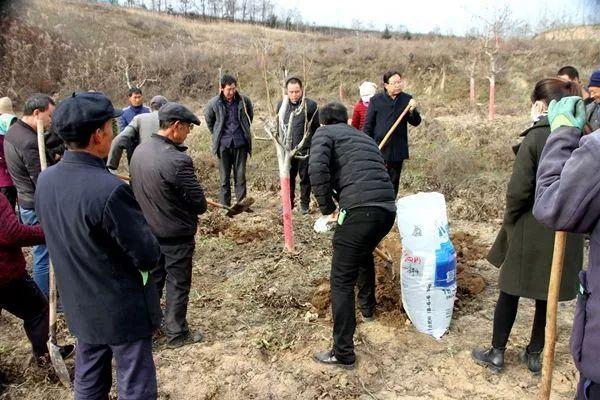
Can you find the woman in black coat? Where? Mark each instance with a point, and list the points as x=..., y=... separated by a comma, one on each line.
x=523, y=249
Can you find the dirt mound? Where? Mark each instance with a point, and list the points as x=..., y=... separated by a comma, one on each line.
x=468, y=252
x=387, y=288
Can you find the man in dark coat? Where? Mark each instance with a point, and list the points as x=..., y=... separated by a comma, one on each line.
x=165, y=184
x=301, y=116
x=102, y=249
x=567, y=198
x=23, y=161
x=229, y=116
x=346, y=165
x=384, y=110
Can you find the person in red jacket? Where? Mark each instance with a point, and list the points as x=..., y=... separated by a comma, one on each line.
x=367, y=90
x=19, y=294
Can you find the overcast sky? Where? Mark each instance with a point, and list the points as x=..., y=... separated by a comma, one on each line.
x=449, y=17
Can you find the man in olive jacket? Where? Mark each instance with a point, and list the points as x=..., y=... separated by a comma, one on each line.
x=165, y=184
x=229, y=116
x=102, y=250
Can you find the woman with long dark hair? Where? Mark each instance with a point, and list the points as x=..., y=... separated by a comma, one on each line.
x=523, y=248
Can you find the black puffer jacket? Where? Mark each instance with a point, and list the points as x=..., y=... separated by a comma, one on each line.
x=345, y=160
x=165, y=185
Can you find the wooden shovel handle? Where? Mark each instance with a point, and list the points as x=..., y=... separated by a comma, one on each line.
x=52, y=283
x=383, y=255
x=215, y=204
x=393, y=128
x=560, y=240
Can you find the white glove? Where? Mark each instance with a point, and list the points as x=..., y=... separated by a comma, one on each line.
x=325, y=223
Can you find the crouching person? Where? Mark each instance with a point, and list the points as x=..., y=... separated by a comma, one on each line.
x=347, y=165
x=567, y=199
x=102, y=249
x=19, y=294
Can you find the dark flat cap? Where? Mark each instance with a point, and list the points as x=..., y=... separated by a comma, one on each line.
x=158, y=101
x=177, y=112
x=76, y=117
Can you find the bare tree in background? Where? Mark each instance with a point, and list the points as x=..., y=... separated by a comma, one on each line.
x=495, y=28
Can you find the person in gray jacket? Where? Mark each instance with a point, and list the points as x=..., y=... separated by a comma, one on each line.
x=592, y=115
x=567, y=198
x=229, y=116
x=139, y=129
x=171, y=198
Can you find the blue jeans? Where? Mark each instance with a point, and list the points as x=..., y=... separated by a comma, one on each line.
x=41, y=260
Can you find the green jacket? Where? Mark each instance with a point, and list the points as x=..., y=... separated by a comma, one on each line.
x=523, y=248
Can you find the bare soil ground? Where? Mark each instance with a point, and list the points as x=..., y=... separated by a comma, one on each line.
x=265, y=312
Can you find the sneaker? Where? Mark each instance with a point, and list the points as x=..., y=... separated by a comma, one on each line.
x=491, y=357
x=328, y=357
x=190, y=338
x=533, y=360
x=304, y=210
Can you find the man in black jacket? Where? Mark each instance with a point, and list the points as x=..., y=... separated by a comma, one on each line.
x=102, y=249
x=165, y=184
x=23, y=162
x=303, y=116
x=384, y=110
x=229, y=116
x=345, y=164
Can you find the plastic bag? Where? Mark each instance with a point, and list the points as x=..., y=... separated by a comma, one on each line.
x=428, y=265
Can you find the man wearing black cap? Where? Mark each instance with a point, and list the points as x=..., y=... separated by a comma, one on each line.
x=102, y=248
x=164, y=183
x=139, y=129
x=592, y=114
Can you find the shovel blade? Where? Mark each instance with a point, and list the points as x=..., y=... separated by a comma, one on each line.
x=240, y=207
x=59, y=364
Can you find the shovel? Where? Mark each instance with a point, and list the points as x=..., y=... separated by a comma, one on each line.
x=57, y=361
x=393, y=128
x=237, y=208
x=560, y=239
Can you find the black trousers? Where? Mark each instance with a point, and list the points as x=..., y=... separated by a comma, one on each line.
x=300, y=167
x=353, y=245
x=175, y=272
x=22, y=298
x=394, y=168
x=504, y=318
x=136, y=373
x=11, y=194
x=232, y=159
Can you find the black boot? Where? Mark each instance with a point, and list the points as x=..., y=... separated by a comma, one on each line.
x=533, y=360
x=491, y=357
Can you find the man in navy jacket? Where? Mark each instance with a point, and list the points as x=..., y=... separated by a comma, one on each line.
x=102, y=248
x=384, y=109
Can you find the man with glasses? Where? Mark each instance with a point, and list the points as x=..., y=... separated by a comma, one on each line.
x=384, y=110
x=164, y=183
